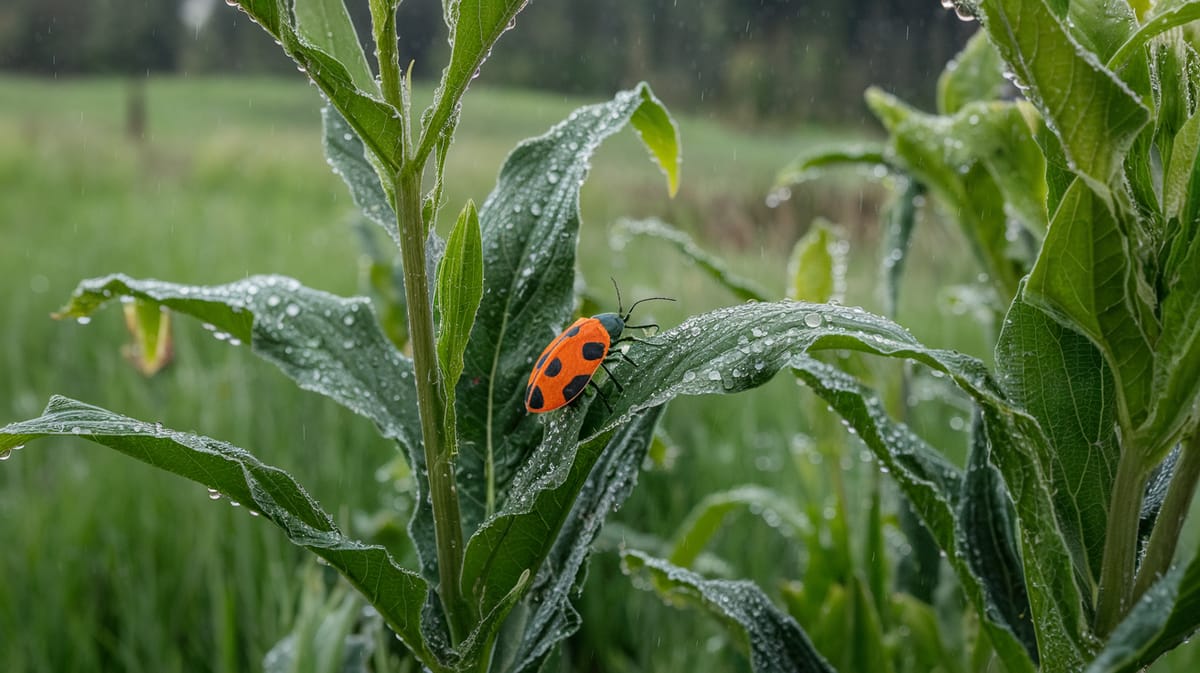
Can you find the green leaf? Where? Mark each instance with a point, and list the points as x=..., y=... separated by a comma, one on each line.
x=975, y=74
x=900, y=218
x=932, y=485
x=708, y=516
x=1165, y=15
x=530, y=229
x=459, y=289
x=326, y=344
x=1057, y=73
x=815, y=164
x=395, y=592
x=1151, y=629
x=817, y=265
x=742, y=288
x=608, y=484
x=1086, y=277
x=326, y=25
x=1061, y=379
x=150, y=326
x=475, y=25
x=348, y=158
x=1179, y=173
x=1176, y=383
x=868, y=651
x=989, y=540
x=660, y=135
x=775, y=642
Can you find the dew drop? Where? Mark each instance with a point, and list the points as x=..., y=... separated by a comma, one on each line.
x=292, y=310
x=813, y=319
x=6, y=454
x=83, y=320
x=214, y=494
x=714, y=375
x=348, y=320
x=273, y=301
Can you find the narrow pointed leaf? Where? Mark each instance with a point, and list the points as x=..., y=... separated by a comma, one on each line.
x=530, y=228
x=742, y=288
x=816, y=265
x=708, y=516
x=326, y=25
x=1167, y=14
x=395, y=592
x=774, y=641
x=459, y=289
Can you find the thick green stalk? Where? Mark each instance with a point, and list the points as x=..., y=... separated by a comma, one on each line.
x=1120, y=543
x=446, y=518
x=1160, y=551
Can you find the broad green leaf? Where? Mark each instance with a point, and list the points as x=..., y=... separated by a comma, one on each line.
x=999, y=136
x=813, y=165
x=934, y=151
x=988, y=535
x=1061, y=379
x=395, y=592
x=932, y=486
x=475, y=25
x=742, y=288
x=326, y=25
x=1165, y=617
x=348, y=158
x=900, y=218
x=775, y=642
x=1101, y=26
x=975, y=74
x=1057, y=73
x=1086, y=277
x=459, y=289
x=708, y=516
x=817, y=265
x=326, y=344
x=150, y=327
x=1166, y=14
x=608, y=484
x=530, y=228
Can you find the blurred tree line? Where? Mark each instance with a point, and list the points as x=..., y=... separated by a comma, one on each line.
x=754, y=60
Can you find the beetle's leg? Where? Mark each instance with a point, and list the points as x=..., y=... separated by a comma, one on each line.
x=600, y=394
x=612, y=378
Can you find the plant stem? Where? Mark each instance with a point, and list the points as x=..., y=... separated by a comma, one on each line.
x=1161, y=549
x=1120, y=542
x=430, y=403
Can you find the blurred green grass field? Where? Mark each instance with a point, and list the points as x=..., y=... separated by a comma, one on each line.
x=110, y=565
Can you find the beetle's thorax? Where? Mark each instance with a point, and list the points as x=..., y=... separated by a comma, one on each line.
x=613, y=323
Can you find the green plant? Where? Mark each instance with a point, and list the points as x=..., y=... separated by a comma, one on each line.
x=1079, y=206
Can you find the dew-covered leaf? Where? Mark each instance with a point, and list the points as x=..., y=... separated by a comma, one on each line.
x=1165, y=15
x=396, y=593
x=326, y=25
x=774, y=641
x=1166, y=616
x=347, y=157
x=1057, y=74
x=459, y=289
x=743, y=288
x=551, y=618
x=326, y=344
x=1086, y=277
x=530, y=228
x=932, y=485
x=1060, y=378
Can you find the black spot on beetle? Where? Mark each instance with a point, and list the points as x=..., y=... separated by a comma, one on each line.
x=553, y=368
x=572, y=389
x=593, y=350
x=535, y=399
x=572, y=332
x=542, y=360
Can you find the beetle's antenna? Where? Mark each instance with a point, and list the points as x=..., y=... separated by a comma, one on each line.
x=630, y=311
x=614, y=282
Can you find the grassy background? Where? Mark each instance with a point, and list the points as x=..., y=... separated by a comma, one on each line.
x=109, y=565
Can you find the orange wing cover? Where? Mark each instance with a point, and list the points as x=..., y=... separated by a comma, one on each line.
x=565, y=367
